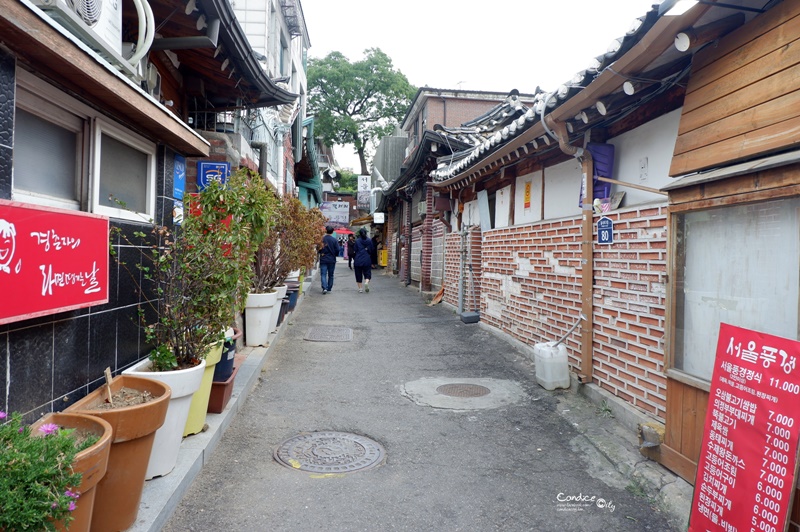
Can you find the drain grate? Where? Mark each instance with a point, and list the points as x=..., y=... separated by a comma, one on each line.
x=329, y=334
x=461, y=389
x=330, y=452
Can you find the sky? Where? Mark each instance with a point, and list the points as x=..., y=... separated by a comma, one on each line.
x=447, y=44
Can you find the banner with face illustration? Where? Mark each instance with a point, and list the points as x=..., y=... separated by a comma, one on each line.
x=51, y=260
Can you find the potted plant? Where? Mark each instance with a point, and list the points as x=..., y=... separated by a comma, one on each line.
x=197, y=277
x=135, y=408
x=287, y=248
x=50, y=470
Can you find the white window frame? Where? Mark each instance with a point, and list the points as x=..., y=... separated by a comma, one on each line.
x=48, y=103
x=104, y=127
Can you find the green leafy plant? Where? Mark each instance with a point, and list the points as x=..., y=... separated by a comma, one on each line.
x=291, y=245
x=36, y=476
x=195, y=277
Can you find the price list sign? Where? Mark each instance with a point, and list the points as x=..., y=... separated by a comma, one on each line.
x=746, y=471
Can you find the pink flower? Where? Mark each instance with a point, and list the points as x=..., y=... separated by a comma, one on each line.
x=72, y=506
x=3, y=415
x=48, y=428
x=70, y=493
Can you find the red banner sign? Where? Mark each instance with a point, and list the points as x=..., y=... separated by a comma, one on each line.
x=51, y=260
x=746, y=472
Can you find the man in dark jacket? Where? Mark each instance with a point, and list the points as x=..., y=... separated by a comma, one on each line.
x=327, y=259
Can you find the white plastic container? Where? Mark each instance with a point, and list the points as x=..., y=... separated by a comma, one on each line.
x=552, y=370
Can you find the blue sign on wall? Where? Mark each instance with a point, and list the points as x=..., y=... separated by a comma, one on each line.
x=179, y=177
x=208, y=170
x=605, y=231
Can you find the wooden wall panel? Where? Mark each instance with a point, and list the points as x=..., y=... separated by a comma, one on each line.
x=743, y=94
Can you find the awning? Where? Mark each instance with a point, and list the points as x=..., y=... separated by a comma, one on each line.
x=364, y=220
x=343, y=231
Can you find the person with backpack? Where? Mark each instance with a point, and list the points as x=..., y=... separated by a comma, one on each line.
x=363, y=260
x=328, y=252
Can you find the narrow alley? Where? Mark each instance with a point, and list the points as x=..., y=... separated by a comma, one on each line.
x=437, y=457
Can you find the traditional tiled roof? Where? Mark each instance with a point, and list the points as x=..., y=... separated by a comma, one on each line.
x=485, y=139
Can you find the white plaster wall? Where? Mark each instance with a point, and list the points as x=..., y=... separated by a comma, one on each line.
x=562, y=189
x=471, y=215
x=502, y=207
x=534, y=212
x=654, y=141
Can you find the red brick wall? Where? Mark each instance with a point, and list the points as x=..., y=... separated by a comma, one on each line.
x=530, y=288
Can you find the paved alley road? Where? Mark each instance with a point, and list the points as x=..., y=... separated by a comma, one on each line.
x=515, y=464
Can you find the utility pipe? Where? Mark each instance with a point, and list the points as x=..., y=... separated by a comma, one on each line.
x=150, y=31
x=587, y=253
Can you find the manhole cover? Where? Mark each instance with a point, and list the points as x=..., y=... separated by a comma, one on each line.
x=460, y=389
x=329, y=452
x=329, y=334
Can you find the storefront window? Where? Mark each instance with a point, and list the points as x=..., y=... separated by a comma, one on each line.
x=738, y=265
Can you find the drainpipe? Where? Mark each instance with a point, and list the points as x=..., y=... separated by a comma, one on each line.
x=559, y=131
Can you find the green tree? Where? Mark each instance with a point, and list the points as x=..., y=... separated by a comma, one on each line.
x=348, y=181
x=357, y=103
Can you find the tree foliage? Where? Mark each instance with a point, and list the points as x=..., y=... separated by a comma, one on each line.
x=357, y=103
x=348, y=181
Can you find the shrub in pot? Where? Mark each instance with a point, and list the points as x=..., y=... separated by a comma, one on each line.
x=50, y=469
x=197, y=276
x=290, y=246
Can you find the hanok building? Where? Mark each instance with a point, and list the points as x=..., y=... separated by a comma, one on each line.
x=700, y=110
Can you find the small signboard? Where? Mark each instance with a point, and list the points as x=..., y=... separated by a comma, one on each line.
x=605, y=230
x=51, y=260
x=746, y=471
x=212, y=170
x=179, y=177
x=336, y=212
x=378, y=217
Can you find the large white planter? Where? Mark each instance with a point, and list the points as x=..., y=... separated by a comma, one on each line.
x=276, y=310
x=183, y=383
x=258, y=318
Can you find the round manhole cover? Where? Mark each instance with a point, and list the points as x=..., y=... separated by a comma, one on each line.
x=460, y=389
x=330, y=452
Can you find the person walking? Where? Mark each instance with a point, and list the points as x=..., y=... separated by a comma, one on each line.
x=363, y=260
x=351, y=250
x=328, y=252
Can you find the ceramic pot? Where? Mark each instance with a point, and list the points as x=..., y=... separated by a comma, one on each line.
x=199, y=405
x=183, y=383
x=117, y=497
x=258, y=318
x=224, y=368
x=276, y=310
x=91, y=462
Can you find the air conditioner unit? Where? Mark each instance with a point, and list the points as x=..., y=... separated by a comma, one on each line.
x=422, y=208
x=98, y=23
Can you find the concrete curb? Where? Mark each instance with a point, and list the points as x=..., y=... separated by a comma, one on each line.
x=161, y=495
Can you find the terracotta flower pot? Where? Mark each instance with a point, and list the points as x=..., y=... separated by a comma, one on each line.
x=91, y=462
x=134, y=428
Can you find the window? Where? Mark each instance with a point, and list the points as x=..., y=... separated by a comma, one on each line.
x=737, y=265
x=49, y=151
x=124, y=174
x=53, y=137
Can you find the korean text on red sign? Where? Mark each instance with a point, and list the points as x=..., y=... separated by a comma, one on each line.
x=51, y=260
x=745, y=473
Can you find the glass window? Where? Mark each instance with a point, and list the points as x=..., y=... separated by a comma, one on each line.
x=45, y=157
x=738, y=265
x=48, y=149
x=124, y=174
